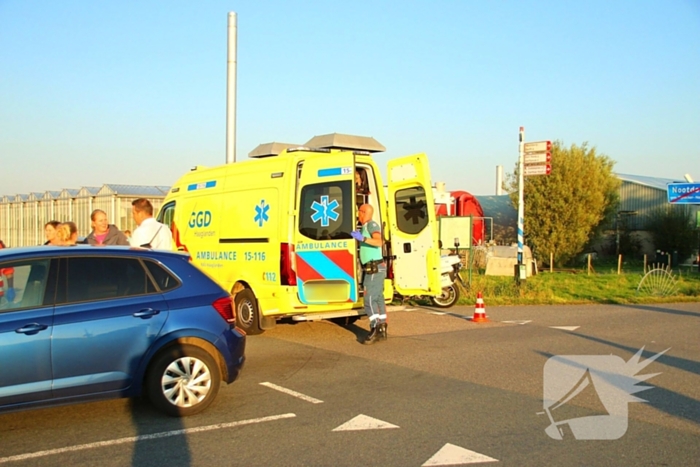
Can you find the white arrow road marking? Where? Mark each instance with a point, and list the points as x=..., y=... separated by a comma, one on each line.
x=454, y=455
x=292, y=393
x=136, y=439
x=518, y=322
x=363, y=422
x=566, y=328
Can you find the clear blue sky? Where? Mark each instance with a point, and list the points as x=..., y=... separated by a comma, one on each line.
x=134, y=92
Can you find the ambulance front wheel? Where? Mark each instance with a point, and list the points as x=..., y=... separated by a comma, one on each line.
x=247, y=317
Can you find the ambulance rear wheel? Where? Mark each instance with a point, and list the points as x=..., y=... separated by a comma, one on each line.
x=247, y=317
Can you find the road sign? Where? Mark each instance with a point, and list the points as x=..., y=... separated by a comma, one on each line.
x=537, y=146
x=537, y=169
x=541, y=157
x=684, y=193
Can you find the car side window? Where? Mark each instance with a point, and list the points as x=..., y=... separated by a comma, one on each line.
x=23, y=284
x=100, y=278
x=164, y=279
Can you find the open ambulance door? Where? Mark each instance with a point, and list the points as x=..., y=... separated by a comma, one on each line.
x=413, y=227
x=326, y=253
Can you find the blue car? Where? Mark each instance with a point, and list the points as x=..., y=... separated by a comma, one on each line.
x=83, y=323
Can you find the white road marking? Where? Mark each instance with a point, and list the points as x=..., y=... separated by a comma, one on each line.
x=292, y=393
x=518, y=322
x=363, y=422
x=450, y=454
x=566, y=328
x=135, y=439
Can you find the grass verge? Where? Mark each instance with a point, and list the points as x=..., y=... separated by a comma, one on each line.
x=577, y=288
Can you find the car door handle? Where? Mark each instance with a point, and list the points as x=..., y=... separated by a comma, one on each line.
x=31, y=329
x=146, y=313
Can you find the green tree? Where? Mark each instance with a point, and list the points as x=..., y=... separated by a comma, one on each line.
x=673, y=229
x=566, y=209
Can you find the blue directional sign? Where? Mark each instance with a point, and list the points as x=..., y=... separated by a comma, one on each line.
x=684, y=193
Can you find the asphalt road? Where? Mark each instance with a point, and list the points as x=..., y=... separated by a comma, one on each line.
x=441, y=391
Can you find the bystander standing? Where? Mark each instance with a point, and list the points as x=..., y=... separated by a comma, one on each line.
x=67, y=234
x=104, y=233
x=150, y=233
x=50, y=232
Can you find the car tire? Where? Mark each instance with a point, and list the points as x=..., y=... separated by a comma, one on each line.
x=448, y=298
x=247, y=315
x=183, y=380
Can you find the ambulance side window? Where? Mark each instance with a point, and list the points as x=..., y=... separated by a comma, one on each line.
x=327, y=211
x=411, y=210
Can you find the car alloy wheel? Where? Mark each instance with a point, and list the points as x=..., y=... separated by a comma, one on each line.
x=184, y=380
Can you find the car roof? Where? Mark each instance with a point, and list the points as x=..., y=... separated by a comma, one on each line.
x=86, y=250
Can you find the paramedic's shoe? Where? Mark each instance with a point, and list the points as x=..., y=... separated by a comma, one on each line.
x=372, y=337
x=382, y=332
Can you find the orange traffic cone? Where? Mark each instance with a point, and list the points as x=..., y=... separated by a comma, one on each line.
x=480, y=310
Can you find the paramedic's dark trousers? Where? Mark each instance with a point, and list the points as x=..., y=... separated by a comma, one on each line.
x=375, y=309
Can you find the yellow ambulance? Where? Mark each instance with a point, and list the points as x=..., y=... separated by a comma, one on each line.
x=275, y=229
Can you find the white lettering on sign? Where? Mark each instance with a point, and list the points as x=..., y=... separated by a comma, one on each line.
x=539, y=169
x=684, y=193
x=681, y=190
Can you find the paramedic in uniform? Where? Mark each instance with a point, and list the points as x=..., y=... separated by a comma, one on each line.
x=370, y=239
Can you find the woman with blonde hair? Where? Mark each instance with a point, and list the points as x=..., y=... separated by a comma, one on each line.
x=67, y=234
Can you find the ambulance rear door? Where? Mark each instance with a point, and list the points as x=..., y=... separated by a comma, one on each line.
x=326, y=253
x=413, y=227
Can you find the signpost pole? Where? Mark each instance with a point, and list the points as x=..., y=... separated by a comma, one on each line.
x=521, y=202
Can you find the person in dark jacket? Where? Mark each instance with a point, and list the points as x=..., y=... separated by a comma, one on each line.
x=104, y=233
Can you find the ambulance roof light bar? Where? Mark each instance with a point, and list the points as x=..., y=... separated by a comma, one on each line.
x=346, y=142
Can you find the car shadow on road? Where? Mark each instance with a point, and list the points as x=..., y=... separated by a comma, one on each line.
x=159, y=440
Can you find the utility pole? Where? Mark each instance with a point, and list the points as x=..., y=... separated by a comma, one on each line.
x=521, y=201
x=231, y=70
